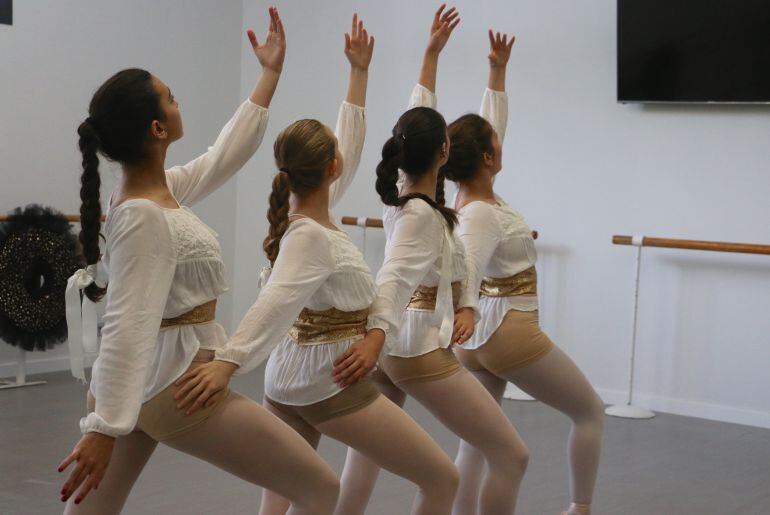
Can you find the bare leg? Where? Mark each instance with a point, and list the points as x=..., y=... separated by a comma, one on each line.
x=129, y=456
x=360, y=473
x=465, y=407
x=470, y=461
x=388, y=436
x=557, y=381
x=244, y=439
x=273, y=503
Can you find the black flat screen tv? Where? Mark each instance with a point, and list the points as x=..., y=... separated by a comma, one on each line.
x=698, y=51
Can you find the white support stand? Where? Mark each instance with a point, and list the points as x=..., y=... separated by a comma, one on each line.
x=361, y=222
x=629, y=410
x=21, y=374
x=515, y=393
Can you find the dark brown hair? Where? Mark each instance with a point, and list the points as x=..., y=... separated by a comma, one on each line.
x=470, y=137
x=119, y=117
x=302, y=151
x=416, y=139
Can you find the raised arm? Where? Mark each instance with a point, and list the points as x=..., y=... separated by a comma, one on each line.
x=440, y=30
x=424, y=92
x=351, y=124
x=242, y=135
x=270, y=56
x=359, y=47
x=494, y=105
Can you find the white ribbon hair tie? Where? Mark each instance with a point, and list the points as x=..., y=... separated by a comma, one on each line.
x=264, y=275
x=81, y=320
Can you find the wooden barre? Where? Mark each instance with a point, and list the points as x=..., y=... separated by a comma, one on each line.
x=69, y=218
x=376, y=222
x=715, y=246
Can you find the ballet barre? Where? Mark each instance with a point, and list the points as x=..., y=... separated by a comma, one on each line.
x=376, y=222
x=629, y=410
x=714, y=246
x=69, y=218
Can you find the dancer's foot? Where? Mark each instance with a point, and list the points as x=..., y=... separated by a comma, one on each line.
x=578, y=509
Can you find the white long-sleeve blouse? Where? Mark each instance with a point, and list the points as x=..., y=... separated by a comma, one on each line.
x=317, y=268
x=161, y=263
x=498, y=241
x=420, y=250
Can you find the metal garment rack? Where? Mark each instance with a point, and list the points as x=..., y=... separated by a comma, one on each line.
x=629, y=409
x=512, y=391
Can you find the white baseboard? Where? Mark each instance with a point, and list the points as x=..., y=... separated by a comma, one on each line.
x=690, y=408
x=656, y=403
x=40, y=365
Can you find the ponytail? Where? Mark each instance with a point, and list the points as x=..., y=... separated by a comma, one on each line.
x=90, y=207
x=387, y=171
x=277, y=215
x=302, y=151
x=416, y=138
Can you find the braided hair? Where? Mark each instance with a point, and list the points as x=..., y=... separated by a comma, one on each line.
x=119, y=114
x=415, y=141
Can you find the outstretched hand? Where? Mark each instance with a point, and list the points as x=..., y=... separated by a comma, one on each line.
x=443, y=25
x=92, y=455
x=273, y=51
x=359, y=45
x=499, y=48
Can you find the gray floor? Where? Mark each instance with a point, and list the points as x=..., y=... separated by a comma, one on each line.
x=669, y=465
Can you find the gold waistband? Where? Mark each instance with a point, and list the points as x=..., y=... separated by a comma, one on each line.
x=197, y=315
x=328, y=326
x=523, y=283
x=424, y=297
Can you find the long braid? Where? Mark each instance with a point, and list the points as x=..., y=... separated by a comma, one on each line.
x=90, y=207
x=277, y=215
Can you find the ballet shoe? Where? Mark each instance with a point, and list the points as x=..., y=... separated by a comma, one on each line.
x=581, y=509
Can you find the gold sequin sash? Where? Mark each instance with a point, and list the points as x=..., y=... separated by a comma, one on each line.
x=424, y=297
x=523, y=283
x=328, y=326
x=198, y=315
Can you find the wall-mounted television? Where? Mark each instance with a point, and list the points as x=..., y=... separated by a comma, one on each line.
x=698, y=51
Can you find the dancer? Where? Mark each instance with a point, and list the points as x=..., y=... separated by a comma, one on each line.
x=165, y=273
x=420, y=280
x=313, y=312
x=508, y=344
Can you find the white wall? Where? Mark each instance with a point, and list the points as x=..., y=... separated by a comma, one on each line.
x=581, y=168
x=55, y=56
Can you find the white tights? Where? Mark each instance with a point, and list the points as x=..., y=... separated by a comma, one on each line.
x=556, y=381
x=389, y=437
x=464, y=406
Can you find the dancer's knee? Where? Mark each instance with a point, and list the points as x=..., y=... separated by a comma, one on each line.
x=513, y=459
x=442, y=481
x=321, y=493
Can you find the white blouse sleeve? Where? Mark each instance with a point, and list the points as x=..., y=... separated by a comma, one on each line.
x=479, y=231
x=303, y=264
x=422, y=97
x=410, y=252
x=142, y=261
x=494, y=109
x=235, y=145
x=351, y=132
